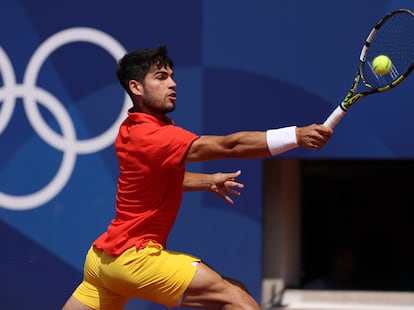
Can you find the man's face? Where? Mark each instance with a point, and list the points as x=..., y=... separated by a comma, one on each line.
x=159, y=91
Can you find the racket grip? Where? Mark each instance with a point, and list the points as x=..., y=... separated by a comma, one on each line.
x=335, y=117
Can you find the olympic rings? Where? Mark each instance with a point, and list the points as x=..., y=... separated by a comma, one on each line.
x=67, y=141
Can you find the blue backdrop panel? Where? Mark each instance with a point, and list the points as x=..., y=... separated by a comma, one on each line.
x=239, y=65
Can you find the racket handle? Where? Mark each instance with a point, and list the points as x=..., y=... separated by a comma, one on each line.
x=335, y=117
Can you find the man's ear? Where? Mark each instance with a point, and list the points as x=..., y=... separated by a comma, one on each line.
x=135, y=87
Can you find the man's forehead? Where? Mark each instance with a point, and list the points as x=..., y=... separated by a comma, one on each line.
x=157, y=68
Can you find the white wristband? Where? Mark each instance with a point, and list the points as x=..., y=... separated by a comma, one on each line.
x=281, y=140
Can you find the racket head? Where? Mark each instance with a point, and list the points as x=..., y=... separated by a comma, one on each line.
x=393, y=36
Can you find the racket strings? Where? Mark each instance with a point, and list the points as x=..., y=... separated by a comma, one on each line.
x=395, y=39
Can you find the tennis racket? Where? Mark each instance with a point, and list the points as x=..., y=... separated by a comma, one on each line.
x=393, y=36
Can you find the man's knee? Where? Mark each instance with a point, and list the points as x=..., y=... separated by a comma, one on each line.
x=237, y=283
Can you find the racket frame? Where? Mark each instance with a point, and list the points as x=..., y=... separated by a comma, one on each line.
x=352, y=96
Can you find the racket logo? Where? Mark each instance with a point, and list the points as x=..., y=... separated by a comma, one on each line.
x=350, y=99
x=32, y=95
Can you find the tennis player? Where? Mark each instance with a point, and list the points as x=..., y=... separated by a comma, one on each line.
x=130, y=259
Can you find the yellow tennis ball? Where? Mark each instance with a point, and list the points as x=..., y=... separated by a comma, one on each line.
x=382, y=64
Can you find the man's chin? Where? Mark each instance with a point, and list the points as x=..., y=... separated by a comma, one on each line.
x=172, y=107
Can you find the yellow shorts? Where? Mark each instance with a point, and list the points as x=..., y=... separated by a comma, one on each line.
x=152, y=274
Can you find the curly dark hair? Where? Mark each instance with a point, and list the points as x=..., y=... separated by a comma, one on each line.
x=136, y=64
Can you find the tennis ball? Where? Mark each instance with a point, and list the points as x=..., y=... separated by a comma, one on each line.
x=382, y=64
